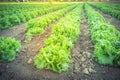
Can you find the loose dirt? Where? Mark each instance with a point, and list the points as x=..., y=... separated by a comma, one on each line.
x=82, y=67
x=17, y=32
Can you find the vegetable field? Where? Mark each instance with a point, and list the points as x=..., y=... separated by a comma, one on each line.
x=60, y=41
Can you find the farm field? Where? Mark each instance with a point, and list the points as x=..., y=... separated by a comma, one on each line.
x=60, y=41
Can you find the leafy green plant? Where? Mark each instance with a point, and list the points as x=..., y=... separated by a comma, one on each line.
x=67, y=29
x=117, y=44
x=59, y=40
x=14, y=19
x=5, y=23
x=27, y=16
x=104, y=52
x=104, y=31
x=22, y=17
x=8, y=48
x=54, y=58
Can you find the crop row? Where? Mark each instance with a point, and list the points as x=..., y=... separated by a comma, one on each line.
x=110, y=9
x=105, y=38
x=9, y=18
x=56, y=53
x=36, y=27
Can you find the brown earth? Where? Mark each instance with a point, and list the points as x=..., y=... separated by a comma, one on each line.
x=17, y=32
x=82, y=67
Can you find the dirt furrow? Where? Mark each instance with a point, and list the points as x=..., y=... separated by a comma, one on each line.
x=81, y=58
x=17, y=31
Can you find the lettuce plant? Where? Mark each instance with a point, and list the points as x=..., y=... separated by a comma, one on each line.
x=14, y=19
x=8, y=48
x=5, y=23
x=54, y=58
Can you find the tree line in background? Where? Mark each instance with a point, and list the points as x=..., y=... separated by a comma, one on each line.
x=53, y=0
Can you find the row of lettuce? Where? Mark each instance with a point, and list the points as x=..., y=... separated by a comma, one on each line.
x=56, y=53
x=105, y=38
x=14, y=16
x=111, y=9
x=37, y=27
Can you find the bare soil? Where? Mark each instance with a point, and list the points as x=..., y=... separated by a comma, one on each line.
x=17, y=31
x=82, y=67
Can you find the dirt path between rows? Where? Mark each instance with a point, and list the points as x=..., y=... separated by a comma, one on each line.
x=17, y=32
x=110, y=19
x=81, y=57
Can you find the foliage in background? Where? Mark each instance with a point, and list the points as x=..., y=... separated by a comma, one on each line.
x=13, y=14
